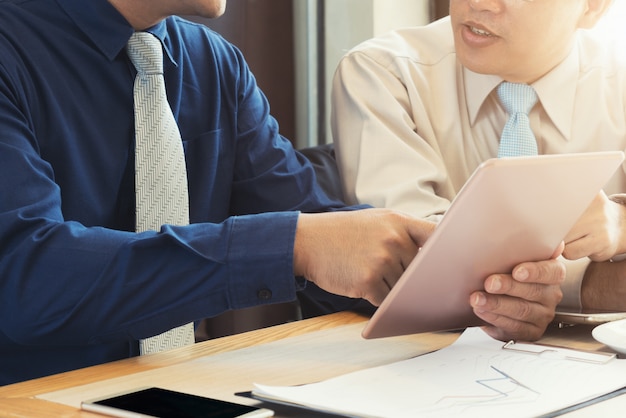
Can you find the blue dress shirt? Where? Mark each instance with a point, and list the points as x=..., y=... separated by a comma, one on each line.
x=78, y=286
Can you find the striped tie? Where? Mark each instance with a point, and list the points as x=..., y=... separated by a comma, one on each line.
x=160, y=171
x=517, y=138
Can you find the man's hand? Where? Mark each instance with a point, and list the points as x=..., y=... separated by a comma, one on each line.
x=598, y=233
x=520, y=305
x=359, y=254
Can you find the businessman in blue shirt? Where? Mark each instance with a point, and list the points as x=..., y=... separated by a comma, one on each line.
x=80, y=287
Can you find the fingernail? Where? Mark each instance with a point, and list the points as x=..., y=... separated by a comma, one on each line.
x=521, y=274
x=495, y=284
x=478, y=299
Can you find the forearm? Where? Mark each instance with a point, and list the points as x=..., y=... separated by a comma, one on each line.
x=604, y=286
x=76, y=288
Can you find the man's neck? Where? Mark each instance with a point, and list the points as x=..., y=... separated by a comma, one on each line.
x=137, y=14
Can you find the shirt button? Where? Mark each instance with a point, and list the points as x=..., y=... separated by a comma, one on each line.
x=264, y=294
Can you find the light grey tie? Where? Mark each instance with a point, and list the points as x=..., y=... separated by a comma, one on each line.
x=160, y=173
x=517, y=137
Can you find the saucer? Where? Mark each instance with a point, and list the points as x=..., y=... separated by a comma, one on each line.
x=612, y=334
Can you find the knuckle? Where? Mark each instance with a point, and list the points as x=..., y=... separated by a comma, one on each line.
x=553, y=270
x=537, y=292
x=369, y=279
x=557, y=295
x=384, y=259
x=524, y=309
x=560, y=270
x=392, y=238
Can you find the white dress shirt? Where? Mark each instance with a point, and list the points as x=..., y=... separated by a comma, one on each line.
x=411, y=124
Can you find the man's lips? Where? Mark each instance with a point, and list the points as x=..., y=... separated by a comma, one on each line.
x=476, y=35
x=479, y=31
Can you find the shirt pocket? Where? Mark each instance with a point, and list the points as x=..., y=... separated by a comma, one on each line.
x=207, y=148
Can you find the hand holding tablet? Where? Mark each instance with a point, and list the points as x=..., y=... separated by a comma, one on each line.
x=510, y=211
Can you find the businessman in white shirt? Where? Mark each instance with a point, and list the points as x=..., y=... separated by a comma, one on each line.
x=415, y=111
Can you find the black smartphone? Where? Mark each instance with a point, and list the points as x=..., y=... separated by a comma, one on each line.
x=164, y=403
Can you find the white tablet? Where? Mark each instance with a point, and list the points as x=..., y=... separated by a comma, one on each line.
x=587, y=317
x=511, y=210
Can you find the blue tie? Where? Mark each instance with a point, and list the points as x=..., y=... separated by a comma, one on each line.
x=517, y=138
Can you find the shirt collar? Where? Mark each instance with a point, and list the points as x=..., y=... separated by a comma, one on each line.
x=477, y=88
x=556, y=91
x=106, y=27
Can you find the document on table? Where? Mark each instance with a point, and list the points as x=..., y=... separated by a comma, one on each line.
x=474, y=377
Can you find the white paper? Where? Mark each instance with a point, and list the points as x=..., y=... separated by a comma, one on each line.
x=474, y=377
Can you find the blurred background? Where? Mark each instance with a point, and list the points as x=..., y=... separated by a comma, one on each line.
x=293, y=47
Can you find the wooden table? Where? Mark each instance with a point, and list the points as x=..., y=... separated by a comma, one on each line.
x=289, y=354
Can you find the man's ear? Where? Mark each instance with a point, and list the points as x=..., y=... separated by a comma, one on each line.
x=595, y=10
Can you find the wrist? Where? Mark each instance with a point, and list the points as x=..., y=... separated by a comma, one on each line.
x=604, y=288
x=301, y=252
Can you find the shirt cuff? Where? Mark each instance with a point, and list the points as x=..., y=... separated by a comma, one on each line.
x=575, y=272
x=261, y=259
